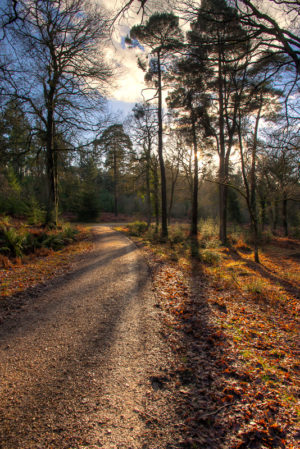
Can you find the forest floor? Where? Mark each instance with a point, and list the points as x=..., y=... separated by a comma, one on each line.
x=152, y=349
x=235, y=327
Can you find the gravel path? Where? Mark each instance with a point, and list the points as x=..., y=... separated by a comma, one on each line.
x=81, y=363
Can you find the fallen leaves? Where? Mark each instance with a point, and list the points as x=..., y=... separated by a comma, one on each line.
x=235, y=327
x=38, y=268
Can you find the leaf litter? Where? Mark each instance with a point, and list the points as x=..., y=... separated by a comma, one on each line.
x=238, y=376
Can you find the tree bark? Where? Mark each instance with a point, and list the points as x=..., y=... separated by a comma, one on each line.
x=263, y=212
x=194, y=223
x=222, y=168
x=164, y=224
x=275, y=216
x=115, y=184
x=148, y=193
x=51, y=218
x=156, y=196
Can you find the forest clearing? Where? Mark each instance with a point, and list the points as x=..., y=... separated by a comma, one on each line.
x=149, y=224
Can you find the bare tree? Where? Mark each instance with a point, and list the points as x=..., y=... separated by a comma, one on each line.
x=60, y=73
x=279, y=34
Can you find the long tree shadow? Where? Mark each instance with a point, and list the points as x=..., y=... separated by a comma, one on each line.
x=205, y=352
x=217, y=383
x=267, y=274
x=207, y=368
x=96, y=258
x=214, y=383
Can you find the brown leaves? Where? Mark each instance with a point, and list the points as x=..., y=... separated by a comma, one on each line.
x=235, y=327
x=45, y=264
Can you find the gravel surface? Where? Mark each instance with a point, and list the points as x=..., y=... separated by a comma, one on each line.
x=82, y=361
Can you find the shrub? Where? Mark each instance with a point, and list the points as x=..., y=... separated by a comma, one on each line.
x=255, y=286
x=35, y=214
x=209, y=257
x=68, y=233
x=208, y=228
x=12, y=241
x=54, y=241
x=4, y=220
x=177, y=234
x=137, y=228
x=16, y=242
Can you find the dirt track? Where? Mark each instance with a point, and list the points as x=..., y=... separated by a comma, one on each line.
x=79, y=361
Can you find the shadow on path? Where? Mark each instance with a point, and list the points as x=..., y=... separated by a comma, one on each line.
x=53, y=350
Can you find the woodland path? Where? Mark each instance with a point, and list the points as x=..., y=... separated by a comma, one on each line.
x=79, y=359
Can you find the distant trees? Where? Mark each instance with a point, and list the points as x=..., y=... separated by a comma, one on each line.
x=144, y=133
x=115, y=145
x=282, y=168
x=16, y=138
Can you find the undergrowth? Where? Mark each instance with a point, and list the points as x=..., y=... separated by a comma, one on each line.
x=19, y=239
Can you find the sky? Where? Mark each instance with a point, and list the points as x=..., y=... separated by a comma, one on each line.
x=129, y=78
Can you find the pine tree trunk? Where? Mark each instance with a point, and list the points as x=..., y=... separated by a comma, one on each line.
x=222, y=168
x=275, y=216
x=164, y=224
x=256, y=240
x=55, y=164
x=253, y=205
x=263, y=213
x=171, y=200
x=194, y=223
x=115, y=185
x=148, y=193
x=156, y=197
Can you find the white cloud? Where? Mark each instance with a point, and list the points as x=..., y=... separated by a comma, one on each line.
x=129, y=80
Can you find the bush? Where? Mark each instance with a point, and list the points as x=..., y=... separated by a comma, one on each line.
x=177, y=234
x=54, y=241
x=69, y=233
x=208, y=229
x=13, y=205
x=35, y=214
x=4, y=221
x=209, y=257
x=12, y=241
x=137, y=228
x=16, y=242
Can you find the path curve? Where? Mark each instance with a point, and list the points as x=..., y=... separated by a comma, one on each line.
x=76, y=361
